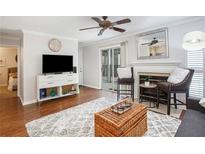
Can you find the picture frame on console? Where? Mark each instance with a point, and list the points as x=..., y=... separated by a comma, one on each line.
x=153, y=44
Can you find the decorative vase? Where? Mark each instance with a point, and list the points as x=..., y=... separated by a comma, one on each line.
x=146, y=83
x=52, y=93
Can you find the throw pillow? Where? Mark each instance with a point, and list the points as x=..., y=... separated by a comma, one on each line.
x=178, y=75
x=124, y=72
x=202, y=102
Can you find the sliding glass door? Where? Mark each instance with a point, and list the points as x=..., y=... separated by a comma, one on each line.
x=110, y=62
x=106, y=69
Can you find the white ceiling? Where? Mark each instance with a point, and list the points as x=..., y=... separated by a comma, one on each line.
x=69, y=25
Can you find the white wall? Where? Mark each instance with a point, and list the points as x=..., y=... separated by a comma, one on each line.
x=176, y=52
x=7, y=41
x=9, y=55
x=91, y=66
x=34, y=46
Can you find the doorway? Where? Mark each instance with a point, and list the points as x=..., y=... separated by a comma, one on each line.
x=8, y=72
x=110, y=61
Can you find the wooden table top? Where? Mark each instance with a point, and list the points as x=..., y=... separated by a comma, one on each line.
x=119, y=120
x=151, y=85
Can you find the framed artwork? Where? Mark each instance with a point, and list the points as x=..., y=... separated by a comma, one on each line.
x=2, y=62
x=153, y=44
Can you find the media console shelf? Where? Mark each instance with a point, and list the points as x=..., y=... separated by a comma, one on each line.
x=56, y=85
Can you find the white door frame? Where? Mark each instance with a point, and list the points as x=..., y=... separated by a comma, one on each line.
x=80, y=66
x=18, y=65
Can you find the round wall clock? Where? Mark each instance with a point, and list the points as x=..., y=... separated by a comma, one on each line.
x=54, y=45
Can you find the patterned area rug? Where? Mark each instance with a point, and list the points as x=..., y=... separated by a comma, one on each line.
x=78, y=121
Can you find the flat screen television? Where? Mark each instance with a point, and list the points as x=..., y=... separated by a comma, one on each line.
x=57, y=63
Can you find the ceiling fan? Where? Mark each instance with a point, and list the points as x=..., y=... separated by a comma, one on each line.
x=106, y=24
x=154, y=41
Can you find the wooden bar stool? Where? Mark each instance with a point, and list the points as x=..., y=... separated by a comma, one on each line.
x=173, y=88
x=125, y=78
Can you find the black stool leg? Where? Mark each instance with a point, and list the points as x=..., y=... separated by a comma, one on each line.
x=158, y=91
x=118, y=92
x=132, y=91
x=175, y=101
x=168, y=103
x=187, y=95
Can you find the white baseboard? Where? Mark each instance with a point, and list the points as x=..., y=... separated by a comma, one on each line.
x=21, y=99
x=29, y=102
x=90, y=86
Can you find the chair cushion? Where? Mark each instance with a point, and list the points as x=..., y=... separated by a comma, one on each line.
x=202, y=102
x=126, y=81
x=124, y=72
x=192, y=125
x=178, y=75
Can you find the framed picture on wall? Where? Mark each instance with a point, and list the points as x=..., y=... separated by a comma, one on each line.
x=153, y=44
x=2, y=61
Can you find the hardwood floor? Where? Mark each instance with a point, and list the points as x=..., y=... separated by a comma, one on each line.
x=5, y=93
x=14, y=116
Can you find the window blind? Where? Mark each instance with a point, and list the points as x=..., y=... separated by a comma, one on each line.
x=195, y=60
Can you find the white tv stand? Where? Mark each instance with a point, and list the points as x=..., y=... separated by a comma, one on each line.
x=53, y=86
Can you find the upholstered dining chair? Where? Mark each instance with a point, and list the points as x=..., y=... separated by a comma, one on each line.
x=178, y=82
x=125, y=78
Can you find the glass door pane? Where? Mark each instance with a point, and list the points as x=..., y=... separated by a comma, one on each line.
x=107, y=69
x=117, y=60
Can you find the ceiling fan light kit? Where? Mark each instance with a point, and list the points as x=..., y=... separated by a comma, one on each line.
x=106, y=24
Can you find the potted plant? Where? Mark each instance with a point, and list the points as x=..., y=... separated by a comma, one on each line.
x=146, y=81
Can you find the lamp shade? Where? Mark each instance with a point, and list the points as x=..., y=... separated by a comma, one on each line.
x=194, y=40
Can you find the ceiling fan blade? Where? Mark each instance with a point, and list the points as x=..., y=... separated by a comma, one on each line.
x=89, y=28
x=101, y=31
x=97, y=19
x=145, y=44
x=118, y=29
x=123, y=21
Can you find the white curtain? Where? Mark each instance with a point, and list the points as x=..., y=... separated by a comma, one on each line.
x=124, y=54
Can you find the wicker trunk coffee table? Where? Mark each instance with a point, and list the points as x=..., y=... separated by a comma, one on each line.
x=131, y=123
